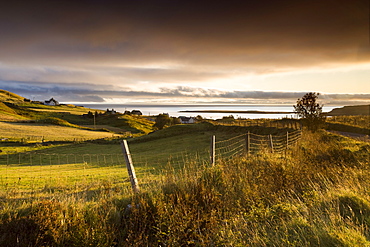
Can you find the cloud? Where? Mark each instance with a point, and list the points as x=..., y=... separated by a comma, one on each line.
x=84, y=92
x=94, y=50
x=233, y=33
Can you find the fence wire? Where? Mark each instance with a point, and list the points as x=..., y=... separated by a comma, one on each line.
x=22, y=171
x=274, y=143
x=252, y=143
x=176, y=160
x=230, y=148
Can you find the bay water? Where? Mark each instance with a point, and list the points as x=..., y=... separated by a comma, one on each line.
x=176, y=110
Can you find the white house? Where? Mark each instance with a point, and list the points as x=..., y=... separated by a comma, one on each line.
x=52, y=101
x=187, y=120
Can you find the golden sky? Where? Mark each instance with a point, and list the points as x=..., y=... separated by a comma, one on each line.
x=153, y=51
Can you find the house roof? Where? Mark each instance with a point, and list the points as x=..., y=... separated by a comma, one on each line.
x=52, y=99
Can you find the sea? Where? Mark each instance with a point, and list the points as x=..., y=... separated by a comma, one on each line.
x=177, y=110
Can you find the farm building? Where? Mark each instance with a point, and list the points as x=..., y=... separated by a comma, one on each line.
x=52, y=101
x=110, y=112
x=187, y=120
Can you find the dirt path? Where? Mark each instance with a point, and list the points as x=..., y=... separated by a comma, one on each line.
x=361, y=137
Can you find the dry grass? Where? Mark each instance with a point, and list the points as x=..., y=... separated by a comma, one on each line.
x=313, y=195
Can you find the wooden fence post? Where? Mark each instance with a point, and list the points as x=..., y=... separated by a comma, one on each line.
x=287, y=139
x=130, y=166
x=248, y=143
x=213, y=150
x=271, y=143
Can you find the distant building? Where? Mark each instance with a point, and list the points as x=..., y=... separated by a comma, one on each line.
x=136, y=112
x=52, y=101
x=110, y=112
x=187, y=120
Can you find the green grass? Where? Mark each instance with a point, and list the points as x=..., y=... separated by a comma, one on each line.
x=312, y=195
x=8, y=114
x=71, y=116
x=33, y=179
x=6, y=96
x=26, y=121
x=359, y=122
x=353, y=124
x=47, y=131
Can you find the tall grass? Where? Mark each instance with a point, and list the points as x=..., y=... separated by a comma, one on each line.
x=361, y=121
x=315, y=194
x=355, y=124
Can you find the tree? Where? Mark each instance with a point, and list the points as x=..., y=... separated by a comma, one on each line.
x=310, y=111
x=162, y=120
x=175, y=120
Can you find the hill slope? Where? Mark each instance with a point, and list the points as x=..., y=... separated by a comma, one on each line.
x=350, y=110
x=6, y=96
x=14, y=108
x=7, y=113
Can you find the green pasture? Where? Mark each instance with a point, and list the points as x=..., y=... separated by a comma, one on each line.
x=14, y=108
x=48, y=132
x=356, y=124
x=10, y=97
x=36, y=166
x=39, y=180
x=317, y=194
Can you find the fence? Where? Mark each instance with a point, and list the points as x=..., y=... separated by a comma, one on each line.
x=251, y=143
x=175, y=160
x=22, y=170
x=266, y=123
x=275, y=143
x=43, y=139
x=34, y=159
x=240, y=144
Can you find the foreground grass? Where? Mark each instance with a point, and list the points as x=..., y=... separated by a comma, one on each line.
x=314, y=195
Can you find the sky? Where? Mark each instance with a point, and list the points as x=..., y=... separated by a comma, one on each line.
x=186, y=52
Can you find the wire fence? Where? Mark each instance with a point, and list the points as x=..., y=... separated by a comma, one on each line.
x=176, y=160
x=266, y=123
x=274, y=143
x=36, y=174
x=22, y=171
x=226, y=149
x=45, y=140
x=252, y=143
x=35, y=159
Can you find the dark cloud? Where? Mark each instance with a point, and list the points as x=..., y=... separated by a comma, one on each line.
x=84, y=92
x=93, y=50
x=227, y=33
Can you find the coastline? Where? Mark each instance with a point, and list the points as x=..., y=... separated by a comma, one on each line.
x=242, y=112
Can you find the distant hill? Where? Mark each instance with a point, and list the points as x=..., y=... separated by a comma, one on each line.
x=14, y=108
x=6, y=96
x=7, y=113
x=350, y=110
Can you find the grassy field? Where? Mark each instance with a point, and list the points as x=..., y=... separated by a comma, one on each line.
x=6, y=96
x=313, y=195
x=362, y=121
x=47, y=132
x=14, y=108
x=150, y=153
x=352, y=124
